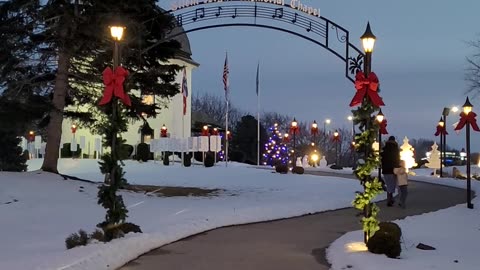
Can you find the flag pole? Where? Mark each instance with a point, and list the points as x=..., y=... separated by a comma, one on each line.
x=258, y=117
x=226, y=136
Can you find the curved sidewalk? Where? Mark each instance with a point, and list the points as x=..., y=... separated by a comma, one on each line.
x=288, y=244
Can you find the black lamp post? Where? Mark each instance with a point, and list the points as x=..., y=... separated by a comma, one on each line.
x=116, y=31
x=441, y=125
x=294, y=130
x=467, y=109
x=314, y=131
x=336, y=139
x=368, y=42
x=380, y=118
x=445, y=113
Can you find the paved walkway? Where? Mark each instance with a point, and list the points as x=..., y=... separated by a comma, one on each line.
x=295, y=243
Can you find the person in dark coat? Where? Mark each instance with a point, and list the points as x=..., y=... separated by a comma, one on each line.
x=390, y=159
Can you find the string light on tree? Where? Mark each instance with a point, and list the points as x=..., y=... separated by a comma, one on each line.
x=276, y=150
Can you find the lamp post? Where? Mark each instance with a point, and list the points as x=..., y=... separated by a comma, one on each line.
x=441, y=131
x=336, y=139
x=116, y=32
x=368, y=42
x=445, y=113
x=467, y=118
x=380, y=118
x=314, y=131
x=350, y=118
x=163, y=131
x=294, y=130
x=325, y=123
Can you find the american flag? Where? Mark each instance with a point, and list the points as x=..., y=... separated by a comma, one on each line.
x=225, y=76
x=184, y=91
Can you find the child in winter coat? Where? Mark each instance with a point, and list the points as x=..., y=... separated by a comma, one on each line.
x=402, y=182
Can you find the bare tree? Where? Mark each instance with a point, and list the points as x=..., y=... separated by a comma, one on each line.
x=472, y=75
x=212, y=108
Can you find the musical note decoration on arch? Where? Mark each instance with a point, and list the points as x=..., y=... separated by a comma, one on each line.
x=296, y=19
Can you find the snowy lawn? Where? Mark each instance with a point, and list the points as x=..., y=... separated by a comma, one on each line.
x=40, y=210
x=454, y=232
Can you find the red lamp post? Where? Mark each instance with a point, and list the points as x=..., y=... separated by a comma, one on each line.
x=205, y=131
x=163, y=132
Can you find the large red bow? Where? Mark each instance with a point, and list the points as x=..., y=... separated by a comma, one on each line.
x=383, y=127
x=366, y=86
x=114, y=86
x=294, y=130
x=441, y=130
x=468, y=118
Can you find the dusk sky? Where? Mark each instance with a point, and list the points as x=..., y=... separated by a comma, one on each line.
x=419, y=57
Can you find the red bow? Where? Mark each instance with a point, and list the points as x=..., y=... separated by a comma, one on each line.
x=441, y=130
x=295, y=130
x=383, y=127
x=336, y=138
x=114, y=86
x=468, y=118
x=366, y=86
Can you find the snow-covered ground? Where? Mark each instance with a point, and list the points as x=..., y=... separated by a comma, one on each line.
x=39, y=210
x=454, y=232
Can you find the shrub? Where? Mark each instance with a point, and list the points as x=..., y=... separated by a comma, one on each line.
x=143, y=152
x=386, y=240
x=97, y=235
x=237, y=156
x=209, y=160
x=336, y=167
x=198, y=156
x=298, y=170
x=129, y=227
x=391, y=228
x=281, y=168
x=187, y=159
x=125, y=151
x=77, y=239
x=66, y=153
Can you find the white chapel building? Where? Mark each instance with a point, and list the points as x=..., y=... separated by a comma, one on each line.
x=171, y=116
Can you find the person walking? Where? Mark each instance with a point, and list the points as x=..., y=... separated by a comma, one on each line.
x=402, y=179
x=390, y=159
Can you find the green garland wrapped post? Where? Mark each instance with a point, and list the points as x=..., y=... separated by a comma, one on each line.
x=368, y=102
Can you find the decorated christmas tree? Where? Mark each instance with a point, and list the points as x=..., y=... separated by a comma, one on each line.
x=434, y=159
x=407, y=155
x=276, y=151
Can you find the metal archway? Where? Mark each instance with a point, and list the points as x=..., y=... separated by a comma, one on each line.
x=304, y=22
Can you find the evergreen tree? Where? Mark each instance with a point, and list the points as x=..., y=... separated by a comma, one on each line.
x=245, y=139
x=11, y=154
x=276, y=151
x=59, y=48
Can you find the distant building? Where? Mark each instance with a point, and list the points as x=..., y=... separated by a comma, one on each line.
x=171, y=116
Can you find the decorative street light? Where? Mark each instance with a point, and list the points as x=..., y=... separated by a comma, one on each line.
x=368, y=42
x=314, y=131
x=336, y=139
x=205, y=131
x=326, y=122
x=441, y=130
x=294, y=131
x=382, y=129
x=443, y=151
x=74, y=130
x=350, y=118
x=163, y=131
x=467, y=118
x=215, y=131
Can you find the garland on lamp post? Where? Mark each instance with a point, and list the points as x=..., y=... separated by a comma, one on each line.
x=368, y=102
x=113, y=80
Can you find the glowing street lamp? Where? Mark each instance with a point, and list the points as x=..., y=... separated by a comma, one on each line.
x=294, y=131
x=380, y=118
x=467, y=119
x=205, y=131
x=336, y=139
x=163, y=131
x=314, y=130
x=368, y=42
